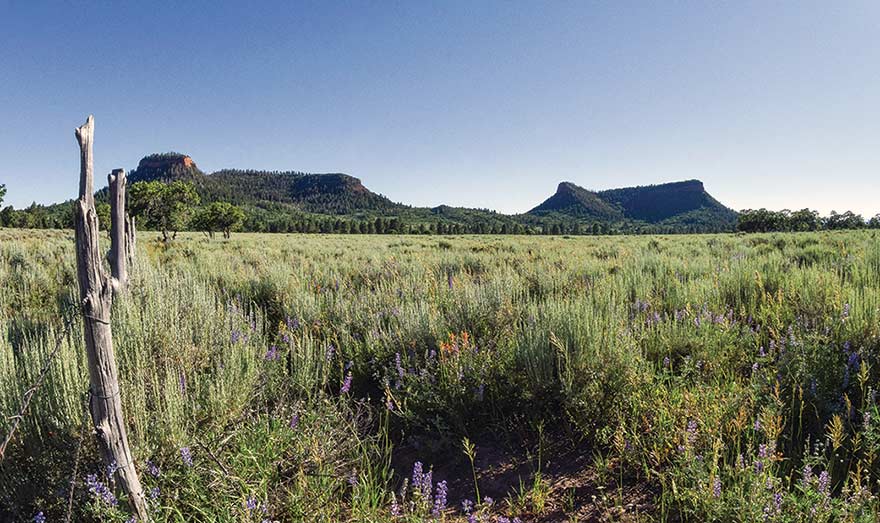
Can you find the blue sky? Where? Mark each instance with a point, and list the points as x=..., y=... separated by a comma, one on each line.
x=487, y=104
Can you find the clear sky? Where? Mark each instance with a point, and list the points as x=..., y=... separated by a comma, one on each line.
x=472, y=103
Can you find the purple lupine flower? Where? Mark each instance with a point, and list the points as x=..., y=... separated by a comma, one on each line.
x=251, y=503
x=272, y=353
x=755, y=368
x=416, y=475
x=348, y=365
x=186, y=456
x=440, y=499
x=777, y=500
x=395, y=508
x=181, y=382
x=467, y=506
x=399, y=365
x=294, y=421
x=845, y=314
x=450, y=280
x=112, y=468
x=40, y=518
x=853, y=360
x=757, y=424
x=153, y=469
x=807, y=475
x=346, y=384
x=716, y=487
x=100, y=490
x=472, y=518
x=352, y=478
x=331, y=350
x=824, y=482
x=235, y=336
x=427, y=485
x=692, y=431
x=154, y=493
x=666, y=361
x=763, y=451
x=759, y=466
x=761, y=352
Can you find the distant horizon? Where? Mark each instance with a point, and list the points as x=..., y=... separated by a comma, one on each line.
x=479, y=105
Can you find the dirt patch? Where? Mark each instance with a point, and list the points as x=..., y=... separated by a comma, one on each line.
x=569, y=488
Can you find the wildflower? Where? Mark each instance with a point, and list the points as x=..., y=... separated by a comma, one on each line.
x=807, y=475
x=761, y=352
x=352, y=478
x=294, y=421
x=346, y=384
x=186, y=456
x=845, y=314
x=112, y=468
x=757, y=425
x=181, y=382
x=440, y=499
x=824, y=482
x=40, y=518
x=272, y=353
x=251, y=503
x=416, y=475
x=154, y=493
x=427, y=485
x=235, y=336
x=692, y=431
x=763, y=451
x=153, y=469
x=666, y=361
x=395, y=508
x=777, y=499
x=331, y=350
x=716, y=487
x=467, y=506
x=759, y=466
x=399, y=365
x=449, y=280
x=100, y=490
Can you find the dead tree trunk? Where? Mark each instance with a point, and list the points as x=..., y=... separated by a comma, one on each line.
x=118, y=254
x=96, y=294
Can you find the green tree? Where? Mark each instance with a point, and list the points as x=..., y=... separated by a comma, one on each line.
x=164, y=207
x=218, y=216
x=2, y=192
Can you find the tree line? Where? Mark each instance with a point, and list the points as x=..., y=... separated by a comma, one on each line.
x=176, y=206
x=763, y=220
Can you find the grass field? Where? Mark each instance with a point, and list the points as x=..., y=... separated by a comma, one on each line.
x=475, y=378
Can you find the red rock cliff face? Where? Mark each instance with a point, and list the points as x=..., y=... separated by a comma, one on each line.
x=166, y=163
x=166, y=167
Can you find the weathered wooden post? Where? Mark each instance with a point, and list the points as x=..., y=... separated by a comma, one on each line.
x=118, y=232
x=96, y=294
x=130, y=239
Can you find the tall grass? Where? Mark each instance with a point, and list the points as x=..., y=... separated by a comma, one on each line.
x=733, y=376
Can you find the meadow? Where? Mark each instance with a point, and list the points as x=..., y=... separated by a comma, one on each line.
x=457, y=378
